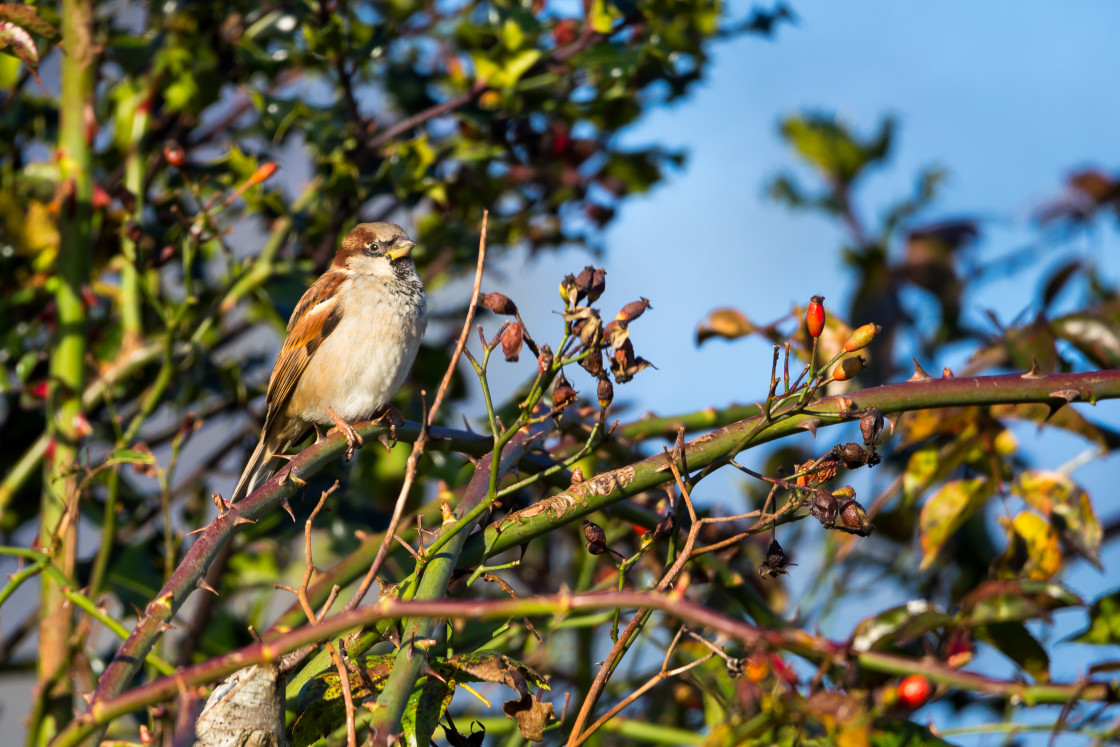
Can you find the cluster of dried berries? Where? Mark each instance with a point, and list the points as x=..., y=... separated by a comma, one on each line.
x=595, y=338
x=839, y=510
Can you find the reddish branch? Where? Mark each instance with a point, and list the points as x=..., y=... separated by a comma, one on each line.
x=796, y=641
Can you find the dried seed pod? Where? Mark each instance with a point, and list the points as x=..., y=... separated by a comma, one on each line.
x=568, y=290
x=823, y=507
x=598, y=284
x=853, y=519
x=595, y=537
x=562, y=392
x=498, y=303
x=861, y=337
x=605, y=392
x=583, y=282
x=776, y=561
x=633, y=310
x=511, y=341
x=843, y=493
x=544, y=359
x=665, y=527
x=815, y=316
x=871, y=426
x=847, y=368
x=853, y=455
x=593, y=364
x=589, y=330
x=624, y=364
x=616, y=333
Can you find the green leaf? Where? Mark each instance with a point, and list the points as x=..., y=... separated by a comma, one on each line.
x=320, y=705
x=1068, y=507
x=1104, y=622
x=1096, y=338
x=130, y=456
x=898, y=625
x=27, y=17
x=1015, y=642
x=1014, y=601
x=827, y=144
x=946, y=511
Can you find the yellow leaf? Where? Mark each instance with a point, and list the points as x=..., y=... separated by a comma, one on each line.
x=946, y=511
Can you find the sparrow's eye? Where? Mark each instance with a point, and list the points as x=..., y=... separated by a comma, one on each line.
x=372, y=246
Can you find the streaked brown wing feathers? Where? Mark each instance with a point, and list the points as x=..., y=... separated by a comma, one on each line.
x=315, y=317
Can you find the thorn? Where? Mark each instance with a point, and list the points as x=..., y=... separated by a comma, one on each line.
x=239, y=519
x=201, y=583
x=166, y=626
x=919, y=372
x=946, y=373
x=222, y=504
x=288, y=507
x=811, y=425
x=196, y=531
x=87, y=697
x=1035, y=372
x=1064, y=397
x=385, y=441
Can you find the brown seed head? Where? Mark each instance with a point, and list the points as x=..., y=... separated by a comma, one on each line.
x=871, y=426
x=595, y=537
x=498, y=303
x=544, y=359
x=633, y=310
x=665, y=527
x=511, y=341
x=605, y=392
x=823, y=507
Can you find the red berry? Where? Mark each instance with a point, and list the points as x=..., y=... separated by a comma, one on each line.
x=913, y=691
x=814, y=316
x=174, y=154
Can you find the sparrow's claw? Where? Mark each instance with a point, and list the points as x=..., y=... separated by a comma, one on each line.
x=393, y=415
x=353, y=438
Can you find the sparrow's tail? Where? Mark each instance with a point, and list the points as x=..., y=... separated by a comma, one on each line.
x=258, y=469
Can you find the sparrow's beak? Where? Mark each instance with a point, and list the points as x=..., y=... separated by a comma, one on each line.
x=402, y=248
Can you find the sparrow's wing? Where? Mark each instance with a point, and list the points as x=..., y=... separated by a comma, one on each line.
x=316, y=316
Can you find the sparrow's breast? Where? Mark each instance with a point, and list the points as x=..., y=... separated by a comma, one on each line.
x=364, y=361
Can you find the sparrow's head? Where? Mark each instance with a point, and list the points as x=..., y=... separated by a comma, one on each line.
x=375, y=248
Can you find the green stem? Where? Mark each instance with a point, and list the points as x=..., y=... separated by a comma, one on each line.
x=58, y=512
x=131, y=294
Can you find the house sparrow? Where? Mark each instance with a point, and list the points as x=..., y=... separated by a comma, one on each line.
x=351, y=341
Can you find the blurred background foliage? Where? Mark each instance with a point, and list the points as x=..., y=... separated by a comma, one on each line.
x=428, y=113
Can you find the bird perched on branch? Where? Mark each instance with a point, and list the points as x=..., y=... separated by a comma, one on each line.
x=351, y=341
